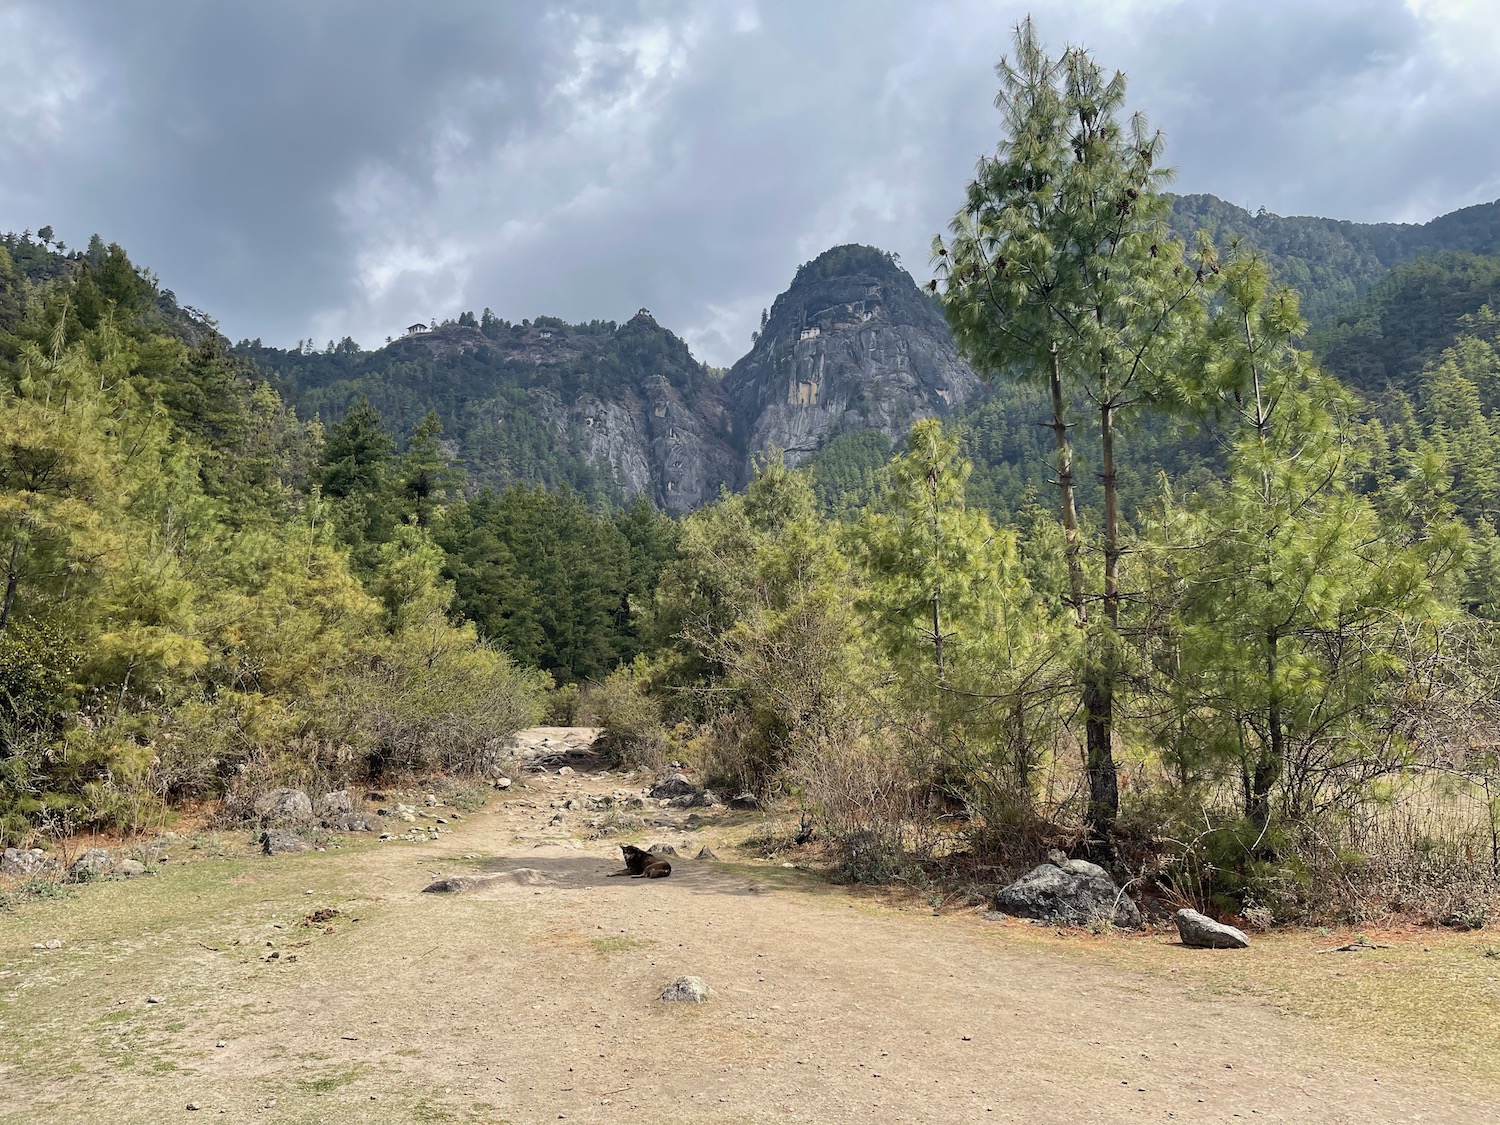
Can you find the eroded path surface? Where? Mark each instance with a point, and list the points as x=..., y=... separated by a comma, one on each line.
x=535, y=998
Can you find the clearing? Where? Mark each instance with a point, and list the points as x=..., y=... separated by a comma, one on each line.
x=225, y=982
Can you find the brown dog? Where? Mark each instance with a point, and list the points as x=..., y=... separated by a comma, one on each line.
x=642, y=865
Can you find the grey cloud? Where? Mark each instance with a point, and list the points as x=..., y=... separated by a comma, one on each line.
x=320, y=169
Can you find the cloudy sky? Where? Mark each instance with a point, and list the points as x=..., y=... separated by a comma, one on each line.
x=308, y=168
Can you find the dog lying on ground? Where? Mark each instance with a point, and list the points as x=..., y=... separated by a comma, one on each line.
x=642, y=865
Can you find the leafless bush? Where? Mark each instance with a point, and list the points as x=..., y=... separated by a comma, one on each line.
x=861, y=789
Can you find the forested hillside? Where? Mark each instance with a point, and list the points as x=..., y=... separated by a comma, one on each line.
x=1333, y=261
x=180, y=619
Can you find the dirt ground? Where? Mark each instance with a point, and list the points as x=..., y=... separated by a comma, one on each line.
x=213, y=984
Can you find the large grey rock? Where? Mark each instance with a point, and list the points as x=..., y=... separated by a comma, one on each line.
x=677, y=785
x=337, y=810
x=27, y=863
x=1202, y=932
x=686, y=990
x=276, y=841
x=130, y=868
x=93, y=863
x=699, y=799
x=745, y=802
x=1074, y=894
x=662, y=849
x=284, y=808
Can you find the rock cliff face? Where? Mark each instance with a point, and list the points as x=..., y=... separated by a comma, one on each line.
x=615, y=411
x=852, y=344
x=620, y=411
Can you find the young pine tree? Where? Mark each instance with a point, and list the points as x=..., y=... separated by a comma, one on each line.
x=1060, y=269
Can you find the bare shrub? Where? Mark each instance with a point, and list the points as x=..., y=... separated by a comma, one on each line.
x=633, y=734
x=860, y=788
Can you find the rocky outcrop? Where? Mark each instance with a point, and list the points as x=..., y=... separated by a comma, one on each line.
x=852, y=345
x=1073, y=892
x=284, y=808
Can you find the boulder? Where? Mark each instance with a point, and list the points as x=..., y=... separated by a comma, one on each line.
x=1201, y=932
x=93, y=864
x=275, y=841
x=745, y=802
x=686, y=990
x=26, y=863
x=698, y=799
x=705, y=852
x=130, y=868
x=284, y=808
x=677, y=785
x=1074, y=893
x=337, y=810
x=662, y=849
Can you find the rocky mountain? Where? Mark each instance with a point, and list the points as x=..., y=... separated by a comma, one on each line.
x=853, y=344
x=620, y=411
x=852, y=350
x=615, y=411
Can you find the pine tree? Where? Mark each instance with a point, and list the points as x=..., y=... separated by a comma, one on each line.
x=1061, y=269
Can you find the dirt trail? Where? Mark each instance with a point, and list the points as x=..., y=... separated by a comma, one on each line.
x=535, y=999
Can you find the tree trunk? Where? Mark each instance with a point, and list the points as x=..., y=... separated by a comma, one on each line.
x=12, y=580
x=1073, y=545
x=1268, y=766
x=1099, y=681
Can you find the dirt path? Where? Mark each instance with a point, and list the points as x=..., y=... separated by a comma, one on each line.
x=535, y=999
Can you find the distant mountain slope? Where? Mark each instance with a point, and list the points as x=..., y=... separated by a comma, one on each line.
x=614, y=411
x=851, y=345
x=1332, y=261
x=1383, y=340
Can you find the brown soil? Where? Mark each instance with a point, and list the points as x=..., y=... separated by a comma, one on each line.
x=535, y=997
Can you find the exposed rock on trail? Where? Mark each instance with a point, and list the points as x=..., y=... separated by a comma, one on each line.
x=1074, y=893
x=687, y=990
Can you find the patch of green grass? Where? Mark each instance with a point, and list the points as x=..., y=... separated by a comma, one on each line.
x=607, y=945
x=32, y=890
x=331, y=1080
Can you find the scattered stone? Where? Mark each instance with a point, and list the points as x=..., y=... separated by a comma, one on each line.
x=50, y=943
x=93, y=863
x=502, y=783
x=431, y=800
x=705, y=852
x=284, y=808
x=130, y=868
x=154, y=999
x=1073, y=893
x=745, y=802
x=662, y=849
x=688, y=990
x=276, y=842
x=566, y=771
x=677, y=785
x=1201, y=932
x=194, y=1106
x=26, y=863
x=699, y=799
